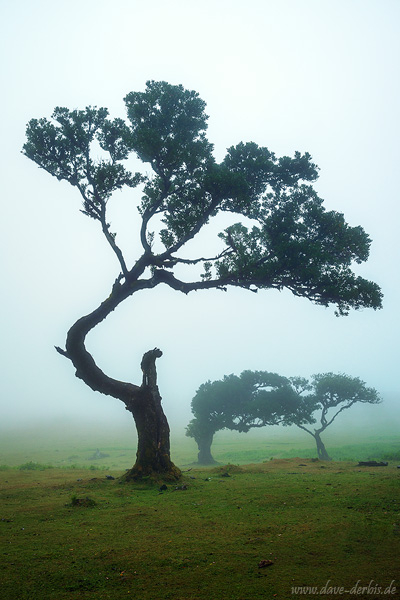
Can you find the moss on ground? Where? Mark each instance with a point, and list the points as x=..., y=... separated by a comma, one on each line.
x=203, y=541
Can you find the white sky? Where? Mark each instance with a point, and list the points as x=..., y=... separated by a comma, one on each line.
x=309, y=75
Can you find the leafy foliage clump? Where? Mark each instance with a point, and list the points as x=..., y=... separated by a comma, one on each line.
x=293, y=243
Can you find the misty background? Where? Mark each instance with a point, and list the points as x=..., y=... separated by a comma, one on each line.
x=308, y=75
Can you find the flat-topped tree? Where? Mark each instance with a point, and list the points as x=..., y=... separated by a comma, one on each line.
x=293, y=243
x=240, y=403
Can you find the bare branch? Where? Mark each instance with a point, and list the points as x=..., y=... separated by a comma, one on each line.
x=305, y=429
x=110, y=239
x=147, y=215
x=194, y=261
x=336, y=414
x=61, y=351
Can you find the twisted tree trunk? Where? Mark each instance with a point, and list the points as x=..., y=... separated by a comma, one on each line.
x=322, y=452
x=153, y=452
x=144, y=401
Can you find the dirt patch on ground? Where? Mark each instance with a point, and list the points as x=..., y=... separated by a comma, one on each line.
x=230, y=469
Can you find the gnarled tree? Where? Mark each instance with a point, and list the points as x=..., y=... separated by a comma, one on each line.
x=294, y=242
x=328, y=395
x=240, y=403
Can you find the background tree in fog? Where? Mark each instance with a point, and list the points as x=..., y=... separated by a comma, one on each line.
x=329, y=395
x=284, y=238
x=254, y=399
x=260, y=398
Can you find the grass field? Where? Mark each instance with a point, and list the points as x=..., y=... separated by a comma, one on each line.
x=74, y=446
x=68, y=532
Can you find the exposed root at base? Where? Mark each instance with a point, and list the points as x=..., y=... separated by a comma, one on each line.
x=140, y=475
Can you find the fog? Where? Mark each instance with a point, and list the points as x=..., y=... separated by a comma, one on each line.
x=311, y=76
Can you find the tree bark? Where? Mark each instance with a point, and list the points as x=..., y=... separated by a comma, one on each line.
x=144, y=401
x=204, y=456
x=153, y=452
x=322, y=453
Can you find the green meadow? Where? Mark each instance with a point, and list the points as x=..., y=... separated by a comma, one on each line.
x=269, y=521
x=71, y=445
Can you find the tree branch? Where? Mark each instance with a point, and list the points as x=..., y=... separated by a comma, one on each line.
x=190, y=235
x=305, y=429
x=336, y=414
x=86, y=368
x=116, y=249
x=61, y=351
x=100, y=215
x=162, y=276
x=147, y=215
x=194, y=261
